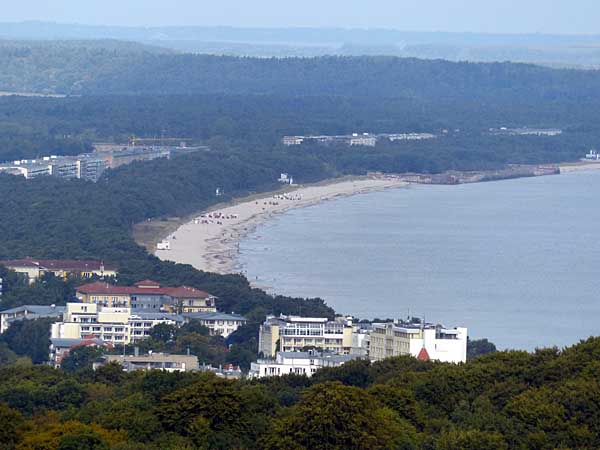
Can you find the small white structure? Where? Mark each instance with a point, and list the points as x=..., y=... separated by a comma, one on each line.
x=593, y=155
x=285, y=178
x=297, y=363
x=163, y=245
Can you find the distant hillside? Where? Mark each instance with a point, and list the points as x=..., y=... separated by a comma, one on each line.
x=65, y=66
x=546, y=49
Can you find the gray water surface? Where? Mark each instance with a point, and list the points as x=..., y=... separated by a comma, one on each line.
x=515, y=261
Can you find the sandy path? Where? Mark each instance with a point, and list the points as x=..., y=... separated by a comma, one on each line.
x=210, y=242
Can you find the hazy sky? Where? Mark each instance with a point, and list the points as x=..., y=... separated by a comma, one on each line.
x=512, y=16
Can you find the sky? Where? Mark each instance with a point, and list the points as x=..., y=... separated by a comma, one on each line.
x=494, y=16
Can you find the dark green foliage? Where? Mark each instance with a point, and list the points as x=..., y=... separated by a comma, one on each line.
x=29, y=338
x=479, y=347
x=81, y=358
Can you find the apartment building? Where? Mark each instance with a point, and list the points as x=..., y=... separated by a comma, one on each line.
x=219, y=324
x=117, y=325
x=28, y=312
x=297, y=363
x=148, y=296
x=423, y=341
x=36, y=268
x=60, y=348
x=293, y=333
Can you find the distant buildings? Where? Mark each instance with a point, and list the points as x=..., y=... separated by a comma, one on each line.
x=297, y=363
x=423, y=341
x=90, y=166
x=148, y=295
x=503, y=131
x=28, y=312
x=36, y=268
x=356, y=139
x=218, y=324
x=301, y=345
x=292, y=333
x=592, y=155
x=153, y=361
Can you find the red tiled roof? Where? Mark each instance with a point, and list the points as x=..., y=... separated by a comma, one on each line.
x=143, y=287
x=423, y=355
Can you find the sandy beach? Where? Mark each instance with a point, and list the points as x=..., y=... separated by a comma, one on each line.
x=579, y=166
x=210, y=241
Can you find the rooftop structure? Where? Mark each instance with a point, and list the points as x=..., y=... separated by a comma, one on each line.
x=293, y=333
x=297, y=363
x=25, y=312
x=35, y=268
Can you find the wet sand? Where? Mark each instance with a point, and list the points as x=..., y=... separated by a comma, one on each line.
x=210, y=241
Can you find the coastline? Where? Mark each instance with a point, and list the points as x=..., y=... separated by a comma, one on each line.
x=209, y=240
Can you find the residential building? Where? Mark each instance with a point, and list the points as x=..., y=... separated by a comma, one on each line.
x=293, y=333
x=153, y=361
x=36, y=268
x=297, y=363
x=365, y=139
x=426, y=341
x=292, y=140
x=117, y=325
x=219, y=324
x=60, y=348
x=148, y=295
x=25, y=312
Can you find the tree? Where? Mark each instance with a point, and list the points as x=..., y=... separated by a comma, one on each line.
x=332, y=416
x=479, y=347
x=30, y=338
x=12, y=427
x=81, y=358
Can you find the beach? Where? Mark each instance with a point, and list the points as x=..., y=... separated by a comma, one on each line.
x=210, y=240
x=579, y=166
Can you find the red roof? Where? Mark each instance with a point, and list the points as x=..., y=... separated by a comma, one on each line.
x=142, y=287
x=423, y=355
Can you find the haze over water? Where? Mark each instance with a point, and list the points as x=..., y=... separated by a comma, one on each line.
x=515, y=261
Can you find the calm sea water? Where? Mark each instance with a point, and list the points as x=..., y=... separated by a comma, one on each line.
x=515, y=261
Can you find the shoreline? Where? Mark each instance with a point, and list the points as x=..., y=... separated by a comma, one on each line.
x=209, y=240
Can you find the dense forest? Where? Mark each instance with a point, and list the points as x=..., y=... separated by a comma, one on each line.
x=509, y=400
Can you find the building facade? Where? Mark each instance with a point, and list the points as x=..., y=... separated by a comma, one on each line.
x=297, y=363
x=148, y=296
x=440, y=344
x=293, y=333
x=219, y=324
x=60, y=348
x=36, y=268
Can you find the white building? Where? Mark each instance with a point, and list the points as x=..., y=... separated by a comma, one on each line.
x=431, y=342
x=218, y=324
x=593, y=155
x=114, y=325
x=293, y=333
x=297, y=363
x=365, y=139
x=153, y=361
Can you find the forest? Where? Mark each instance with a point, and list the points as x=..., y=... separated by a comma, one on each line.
x=547, y=399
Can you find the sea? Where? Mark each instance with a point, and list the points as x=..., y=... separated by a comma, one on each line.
x=514, y=261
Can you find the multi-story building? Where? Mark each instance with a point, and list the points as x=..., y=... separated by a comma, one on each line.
x=124, y=325
x=148, y=296
x=153, y=361
x=25, y=312
x=35, y=268
x=297, y=363
x=219, y=324
x=292, y=333
x=426, y=341
x=117, y=325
